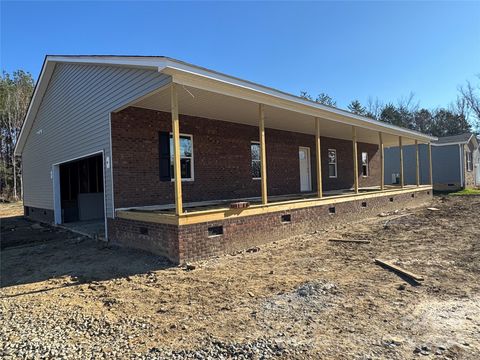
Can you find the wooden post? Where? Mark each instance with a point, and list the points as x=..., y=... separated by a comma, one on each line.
x=430, y=172
x=176, y=150
x=382, y=161
x=355, y=159
x=263, y=152
x=417, y=173
x=400, y=147
x=319, y=158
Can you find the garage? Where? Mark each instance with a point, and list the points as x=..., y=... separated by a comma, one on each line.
x=82, y=195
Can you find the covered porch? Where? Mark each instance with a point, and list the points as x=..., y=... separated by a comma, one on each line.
x=198, y=98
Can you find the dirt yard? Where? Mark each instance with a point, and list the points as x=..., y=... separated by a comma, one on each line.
x=300, y=298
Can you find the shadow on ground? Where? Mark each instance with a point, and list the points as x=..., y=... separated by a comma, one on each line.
x=33, y=253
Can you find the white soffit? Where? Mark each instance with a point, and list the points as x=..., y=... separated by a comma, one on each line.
x=202, y=103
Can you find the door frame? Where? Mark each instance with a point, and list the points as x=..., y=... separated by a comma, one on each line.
x=309, y=168
x=57, y=198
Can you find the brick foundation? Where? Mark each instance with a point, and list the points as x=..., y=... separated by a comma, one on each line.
x=192, y=242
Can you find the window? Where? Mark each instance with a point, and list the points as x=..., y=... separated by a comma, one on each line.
x=186, y=157
x=255, y=151
x=469, y=161
x=332, y=163
x=364, y=164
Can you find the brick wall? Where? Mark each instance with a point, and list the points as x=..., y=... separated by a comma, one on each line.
x=160, y=239
x=222, y=159
x=191, y=242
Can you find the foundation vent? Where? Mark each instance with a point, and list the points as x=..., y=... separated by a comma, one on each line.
x=331, y=210
x=364, y=204
x=215, y=231
x=286, y=218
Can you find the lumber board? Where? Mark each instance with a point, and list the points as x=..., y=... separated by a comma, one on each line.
x=350, y=241
x=399, y=270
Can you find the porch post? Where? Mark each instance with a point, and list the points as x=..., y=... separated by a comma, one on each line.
x=430, y=173
x=176, y=150
x=400, y=147
x=382, y=162
x=355, y=158
x=319, y=158
x=417, y=171
x=263, y=152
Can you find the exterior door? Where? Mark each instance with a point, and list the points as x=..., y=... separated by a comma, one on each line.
x=305, y=175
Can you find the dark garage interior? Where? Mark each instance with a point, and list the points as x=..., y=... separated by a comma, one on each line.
x=81, y=189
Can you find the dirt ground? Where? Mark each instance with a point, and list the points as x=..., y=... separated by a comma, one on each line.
x=303, y=297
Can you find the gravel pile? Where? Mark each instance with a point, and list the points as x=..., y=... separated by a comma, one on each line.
x=259, y=349
x=60, y=334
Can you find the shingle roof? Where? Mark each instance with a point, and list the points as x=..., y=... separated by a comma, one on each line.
x=462, y=138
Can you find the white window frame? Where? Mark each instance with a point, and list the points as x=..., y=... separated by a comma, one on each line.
x=368, y=167
x=335, y=163
x=469, y=161
x=192, y=178
x=259, y=160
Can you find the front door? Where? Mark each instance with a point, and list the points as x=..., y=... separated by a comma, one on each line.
x=305, y=176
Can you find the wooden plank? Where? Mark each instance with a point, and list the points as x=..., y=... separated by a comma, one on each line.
x=417, y=163
x=400, y=147
x=263, y=152
x=319, y=158
x=399, y=270
x=176, y=149
x=382, y=161
x=355, y=158
x=350, y=241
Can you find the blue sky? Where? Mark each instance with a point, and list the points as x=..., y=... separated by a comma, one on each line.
x=351, y=50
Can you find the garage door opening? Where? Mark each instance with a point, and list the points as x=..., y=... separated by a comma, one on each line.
x=82, y=195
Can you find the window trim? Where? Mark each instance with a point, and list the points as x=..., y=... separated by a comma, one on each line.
x=192, y=170
x=329, y=163
x=259, y=160
x=367, y=165
x=469, y=161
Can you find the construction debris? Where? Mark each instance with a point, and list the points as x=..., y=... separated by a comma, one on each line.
x=399, y=270
x=433, y=209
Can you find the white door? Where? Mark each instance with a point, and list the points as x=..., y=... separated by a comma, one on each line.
x=305, y=176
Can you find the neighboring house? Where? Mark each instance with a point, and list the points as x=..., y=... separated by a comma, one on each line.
x=104, y=137
x=456, y=163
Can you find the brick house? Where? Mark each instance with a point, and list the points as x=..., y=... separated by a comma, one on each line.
x=105, y=136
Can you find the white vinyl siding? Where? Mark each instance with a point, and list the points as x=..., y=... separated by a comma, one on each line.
x=73, y=121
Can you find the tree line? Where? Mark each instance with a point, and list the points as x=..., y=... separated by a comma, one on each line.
x=460, y=116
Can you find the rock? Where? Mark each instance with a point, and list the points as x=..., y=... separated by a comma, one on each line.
x=253, y=249
x=189, y=267
x=401, y=287
x=383, y=214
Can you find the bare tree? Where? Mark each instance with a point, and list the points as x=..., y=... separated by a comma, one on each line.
x=471, y=95
x=374, y=108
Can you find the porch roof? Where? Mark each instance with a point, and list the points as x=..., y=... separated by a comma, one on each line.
x=283, y=110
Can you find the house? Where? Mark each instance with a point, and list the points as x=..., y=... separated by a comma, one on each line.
x=105, y=137
x=455, y=159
